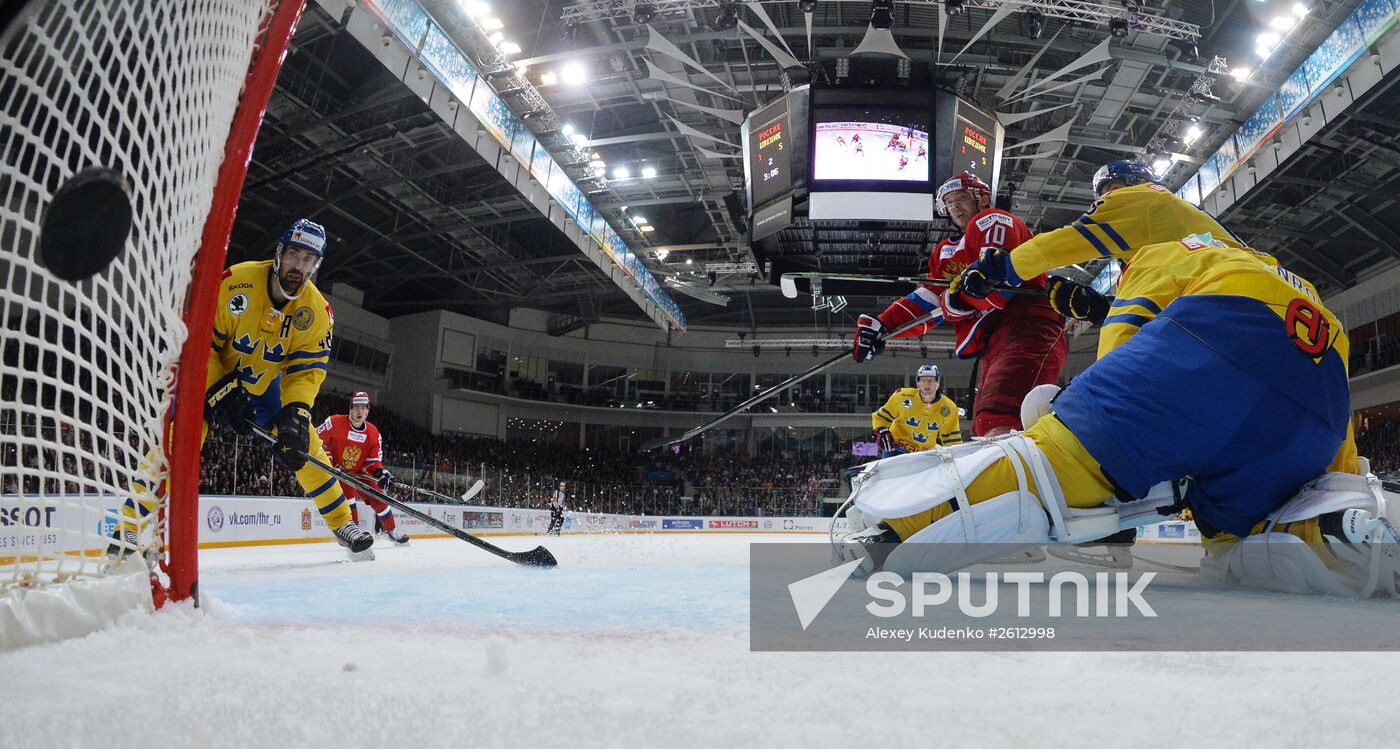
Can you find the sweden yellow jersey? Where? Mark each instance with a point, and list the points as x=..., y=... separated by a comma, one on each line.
x=289, y=347
x=916, y=425
x=1224, y=289
x=1116, y=225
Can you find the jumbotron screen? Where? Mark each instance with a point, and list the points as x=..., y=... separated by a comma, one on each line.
x=865, y=144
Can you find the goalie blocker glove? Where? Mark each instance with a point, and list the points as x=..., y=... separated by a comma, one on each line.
x=1077, y=301
x=228, y=405
x=870, y=340
x=293, y=424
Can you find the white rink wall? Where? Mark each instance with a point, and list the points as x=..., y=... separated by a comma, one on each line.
x=229, y=521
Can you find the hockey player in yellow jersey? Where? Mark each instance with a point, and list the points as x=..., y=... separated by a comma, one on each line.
x=917, y=418
x=1131, y=210
x=271, y=344
x=1215, y=364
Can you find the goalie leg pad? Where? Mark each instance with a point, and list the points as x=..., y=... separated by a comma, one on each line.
x=1283, y=562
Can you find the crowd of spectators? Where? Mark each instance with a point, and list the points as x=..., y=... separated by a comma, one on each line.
x=525, y=473
x=1380, y=442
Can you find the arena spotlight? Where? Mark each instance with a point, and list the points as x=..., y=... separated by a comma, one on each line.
x=1118, y=27
x=728, y=17
x=882, y=13
x=807, y=6
x=642, y=13
x=1035, y=23
x=953, y=7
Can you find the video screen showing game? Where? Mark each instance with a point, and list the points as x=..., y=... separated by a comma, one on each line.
x=870, y=144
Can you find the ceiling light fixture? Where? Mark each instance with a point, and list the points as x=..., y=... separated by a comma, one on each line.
x=573, y=74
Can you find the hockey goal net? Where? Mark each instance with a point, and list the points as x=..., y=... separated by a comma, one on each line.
x=167, y=94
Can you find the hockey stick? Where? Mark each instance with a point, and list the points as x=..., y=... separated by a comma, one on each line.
x=788, y=283
x=466, y=496
x=789, y=382
x=536, y=557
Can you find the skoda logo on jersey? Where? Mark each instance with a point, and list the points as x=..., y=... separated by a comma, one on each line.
x=912, y=422
x=238, y=304
x=907, y=402
x=215, y=519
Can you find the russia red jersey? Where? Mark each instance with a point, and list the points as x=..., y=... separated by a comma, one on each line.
x=972, y=318
x=354, y=450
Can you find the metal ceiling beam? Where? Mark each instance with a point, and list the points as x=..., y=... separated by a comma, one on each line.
x=1069, y=10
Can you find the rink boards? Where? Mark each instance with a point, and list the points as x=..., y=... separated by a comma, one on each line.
x=28, y=527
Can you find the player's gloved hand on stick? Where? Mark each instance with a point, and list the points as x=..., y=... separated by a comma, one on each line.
x=982, y=277
x=229, y=406
x=1077, y=301
x=870, y=340
x=293, y=425
x=384, y=479
x=885, y=441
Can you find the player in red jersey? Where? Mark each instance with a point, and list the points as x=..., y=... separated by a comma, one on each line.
x=354, y=445
x=1020, y=338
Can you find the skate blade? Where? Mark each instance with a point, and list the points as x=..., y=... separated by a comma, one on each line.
x=361, y=556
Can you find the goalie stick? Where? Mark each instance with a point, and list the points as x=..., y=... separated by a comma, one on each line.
x=467, y=495
x=536, y=557
x=788, y=283
x=789, y=382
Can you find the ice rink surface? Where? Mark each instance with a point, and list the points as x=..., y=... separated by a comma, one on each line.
x=634, y=640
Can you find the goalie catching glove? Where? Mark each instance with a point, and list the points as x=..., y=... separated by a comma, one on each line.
x=228, y=405
x=293, y=425
x=1077, y=301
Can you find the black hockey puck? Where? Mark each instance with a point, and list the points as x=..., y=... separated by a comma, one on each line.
x=86, y=224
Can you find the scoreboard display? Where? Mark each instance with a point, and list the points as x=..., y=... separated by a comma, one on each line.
x=974, y=142
x=769, y=169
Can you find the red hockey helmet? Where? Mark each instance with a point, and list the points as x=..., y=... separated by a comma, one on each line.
x=966, y=181
x=359, y=399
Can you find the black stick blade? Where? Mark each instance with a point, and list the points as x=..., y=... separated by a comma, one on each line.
x=536, y=557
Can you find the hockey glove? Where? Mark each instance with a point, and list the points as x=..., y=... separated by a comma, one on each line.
x=293, y=425
x=384, y=479
x=1077, y=301
x=885, y=441
x=870, y=340
x=981, y=278
x=228, y=405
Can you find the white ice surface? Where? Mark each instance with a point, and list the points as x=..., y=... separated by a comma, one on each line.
x=634, y=640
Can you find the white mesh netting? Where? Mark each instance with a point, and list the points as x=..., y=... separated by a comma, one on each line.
x=148, y=89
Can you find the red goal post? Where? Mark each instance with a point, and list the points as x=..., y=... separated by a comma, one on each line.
x=169, y=94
